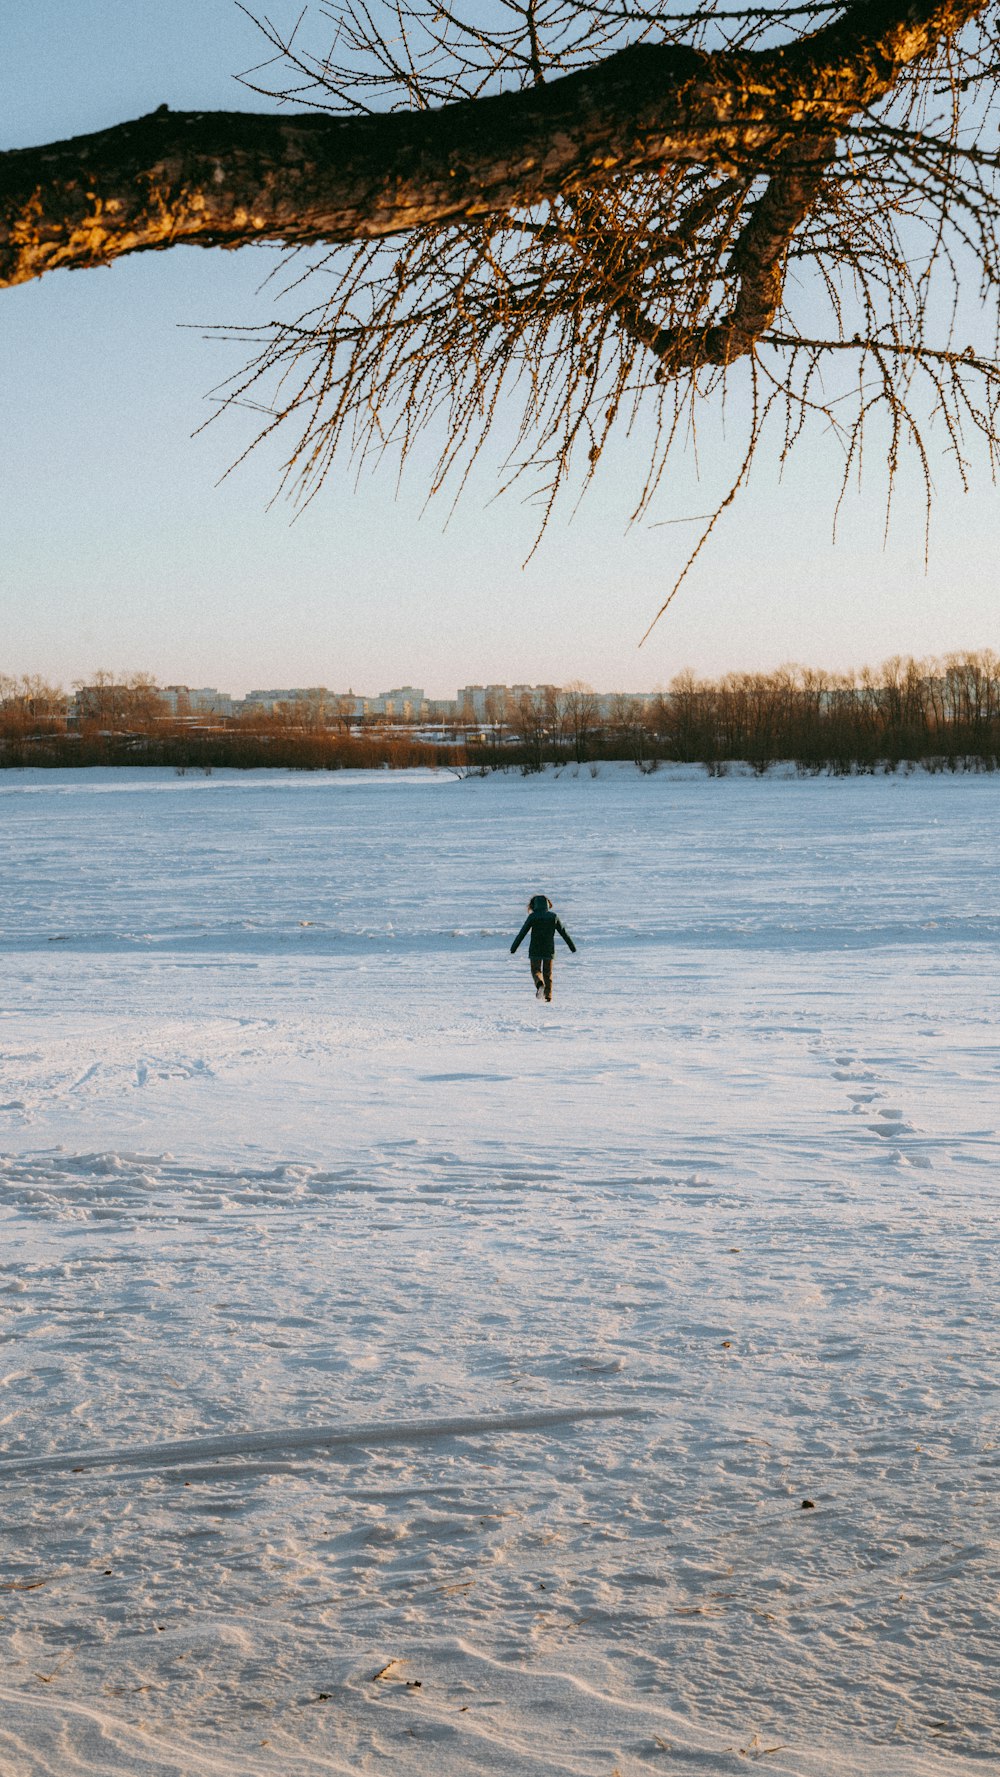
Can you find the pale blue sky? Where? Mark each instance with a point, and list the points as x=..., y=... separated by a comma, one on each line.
x=121, y=550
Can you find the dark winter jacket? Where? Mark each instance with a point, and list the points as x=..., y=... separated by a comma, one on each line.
x=543, y=925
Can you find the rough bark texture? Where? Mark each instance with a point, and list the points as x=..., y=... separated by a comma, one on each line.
x=227, y=178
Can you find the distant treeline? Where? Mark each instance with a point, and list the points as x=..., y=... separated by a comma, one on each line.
x=945, y=714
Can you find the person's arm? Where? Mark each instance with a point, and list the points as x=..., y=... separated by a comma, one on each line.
x=525, y=929
x=564, y=935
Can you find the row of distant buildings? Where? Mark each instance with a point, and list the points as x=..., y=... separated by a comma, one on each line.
x=479, y=704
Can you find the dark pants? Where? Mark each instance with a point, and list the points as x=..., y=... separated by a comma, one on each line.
x=541, y=972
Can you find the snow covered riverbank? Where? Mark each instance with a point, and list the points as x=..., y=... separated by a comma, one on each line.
x=579, y=1302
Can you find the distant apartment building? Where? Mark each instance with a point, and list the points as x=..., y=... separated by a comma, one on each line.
x=266, y=702
x=406, y=703
x=204, y=700
x=471, y=701
x=496, y=703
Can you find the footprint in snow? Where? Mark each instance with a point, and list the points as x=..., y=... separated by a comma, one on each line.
x=891, y=1124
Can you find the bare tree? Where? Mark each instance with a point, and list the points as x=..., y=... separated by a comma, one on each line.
x=340, y=712
x=686, y=718
x=30, y=705
x=580, y=717
x=553, y=706
x=130, y=700
x=591, y=208
x=527, y=723
x=629, y=722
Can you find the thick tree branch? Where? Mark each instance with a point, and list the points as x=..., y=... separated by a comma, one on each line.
x=224, y=179
x=759, y=259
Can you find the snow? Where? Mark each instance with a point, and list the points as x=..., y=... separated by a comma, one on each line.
x=396, y=1369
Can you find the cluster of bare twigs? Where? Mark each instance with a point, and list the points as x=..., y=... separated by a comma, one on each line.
x=847, y=276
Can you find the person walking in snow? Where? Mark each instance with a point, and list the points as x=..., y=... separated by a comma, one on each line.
x=543, y=925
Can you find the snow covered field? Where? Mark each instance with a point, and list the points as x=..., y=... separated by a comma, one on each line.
x=493, y=1347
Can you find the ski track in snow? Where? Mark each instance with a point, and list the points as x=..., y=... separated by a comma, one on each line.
x=560, y=1312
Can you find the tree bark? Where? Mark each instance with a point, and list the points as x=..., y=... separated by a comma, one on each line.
x=228, y=178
